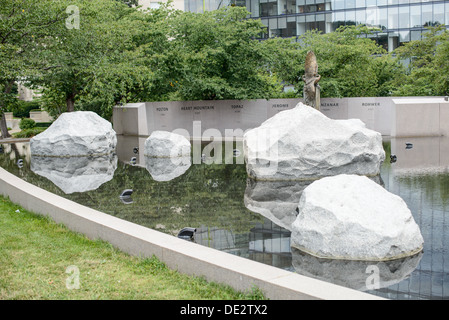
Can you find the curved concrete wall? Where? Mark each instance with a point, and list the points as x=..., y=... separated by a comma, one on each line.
x=184, y=256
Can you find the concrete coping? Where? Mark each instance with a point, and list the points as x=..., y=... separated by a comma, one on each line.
x=184, y=256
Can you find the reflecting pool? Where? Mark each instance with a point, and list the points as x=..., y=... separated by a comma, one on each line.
x=251, y=219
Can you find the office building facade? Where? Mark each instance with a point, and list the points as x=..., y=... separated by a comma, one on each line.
x=397, y=21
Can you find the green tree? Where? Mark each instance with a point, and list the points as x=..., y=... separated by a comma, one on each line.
x=22, y=23
x=95, y=42
x=427, y=67
x=350, y=63
x=217, y=56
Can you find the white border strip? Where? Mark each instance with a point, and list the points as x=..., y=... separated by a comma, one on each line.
x=184, y=256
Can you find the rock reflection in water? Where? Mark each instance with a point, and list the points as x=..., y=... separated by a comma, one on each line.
x=166, y=169
x=355, y=274
x=76, y=174
x=275, y=200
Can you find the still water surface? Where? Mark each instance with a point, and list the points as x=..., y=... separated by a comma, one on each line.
x=237, y=215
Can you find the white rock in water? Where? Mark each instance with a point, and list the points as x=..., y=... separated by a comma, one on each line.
x=166, y=169
x=80, y=133
x=351, y=217
x=166, y=144
x=302, y=143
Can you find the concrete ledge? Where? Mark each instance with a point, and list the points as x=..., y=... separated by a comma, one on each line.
x=178, y=254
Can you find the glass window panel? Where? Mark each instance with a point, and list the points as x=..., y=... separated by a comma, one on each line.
x=339, y=4
x=404, y=36
x=320, y=17
x=300, y=2
x=393, y=18
x=427, y=15
x=360, y=3
x=310, y=18
x=268, y=9
x=393, y=1
x=255, y=8
x=404, y=17
x=311, y=8
x=371, y=3
x=282, y=23
x=415, y=35
x=446, y=13
x=338, y=19
x=291, y=29
x=300, y=19
x=404, y=1
x=371, y=17
x=360, y=17
x=381, y=2
x=383, y=18
x=301, y=28
x=415, y=16
x=291, y=6
x=438, y=13
x=282, y=6
x=350, y=17
x=350, y=4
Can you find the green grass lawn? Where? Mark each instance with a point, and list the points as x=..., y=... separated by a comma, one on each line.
x=36, y=256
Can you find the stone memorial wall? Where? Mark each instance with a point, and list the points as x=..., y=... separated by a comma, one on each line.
x=231, y=118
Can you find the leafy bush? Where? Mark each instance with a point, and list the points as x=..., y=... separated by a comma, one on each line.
x=23, y=108
x=43, y=124
x=28, y=133
x=27, y=123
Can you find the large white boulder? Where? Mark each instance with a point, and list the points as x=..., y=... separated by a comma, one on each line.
x=302, y=143
x=164, y=144
x=80, y=133
x=351, y=217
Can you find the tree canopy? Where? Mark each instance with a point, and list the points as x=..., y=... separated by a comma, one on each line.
x=94, y=54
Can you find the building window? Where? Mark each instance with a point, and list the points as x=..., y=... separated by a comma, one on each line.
x=155, y=5
x=404, y=17
x=427, y=19
x=415, y=16
x=268, y=9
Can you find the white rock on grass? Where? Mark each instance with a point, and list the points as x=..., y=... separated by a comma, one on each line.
x=164, y=144
x=80, y=133
x=351, y=217
x=302, y=143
